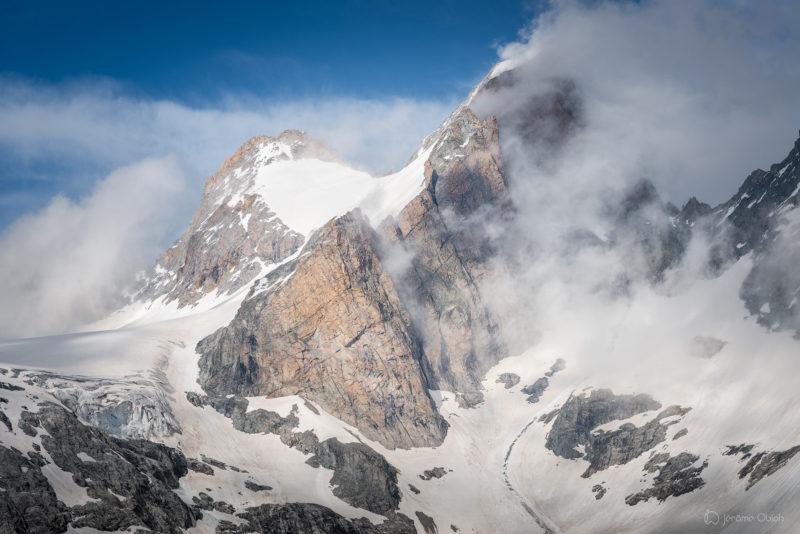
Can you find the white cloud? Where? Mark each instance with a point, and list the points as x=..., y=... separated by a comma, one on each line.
x=690, y=95
x=94, y=121
x=69, y=262
x=693, y=95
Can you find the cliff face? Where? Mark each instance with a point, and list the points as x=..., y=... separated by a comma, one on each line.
x=233, y=234
x=329, y=326
x=345, y=326
x=442, y=231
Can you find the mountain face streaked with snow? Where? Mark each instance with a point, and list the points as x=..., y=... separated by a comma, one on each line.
x=470, y=344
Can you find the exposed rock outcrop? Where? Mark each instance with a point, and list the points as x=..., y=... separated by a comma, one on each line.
x=127, y=483
x=443, y=231
x=509, y=380
x=763, y=464
x=232, y=234
x=305, y=517
x=628, y=442
x=581, y=414
x=762, y=218
x=535, y=390
x=577, y=419
x=436, y=472
x=428, y=524
x=329, y=326
x=28, y=502
x=361, y=477
x=131, y=481
x=677, y=475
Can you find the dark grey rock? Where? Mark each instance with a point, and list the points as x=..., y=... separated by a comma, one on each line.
x=5, y=420
x=581, y=414
x=576, y=420
x=428, y=524
x=559, y=365
x=549, y=416
x=754, y=221
x=509, y=379
x=436, y=472
x=764, y=464
x=28, y=423
x=413, y=489
x=223, y=507
x=599, y=491
x=362, y=477
x=254, y=486
x=628, y=442
x=212, y=461
x=11, y=387
x=195, y=398
x=644, y=223
x=143, y=473
x=676, y=476
x=292, y=518
x=743, y=449
x=680, y=433
x=203, y=501
x=535, y=390
x=227, y=527
x=28, y=503
x=199, y=467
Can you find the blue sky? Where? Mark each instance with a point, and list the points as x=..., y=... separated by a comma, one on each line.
x=80, y=80
x=196, y=54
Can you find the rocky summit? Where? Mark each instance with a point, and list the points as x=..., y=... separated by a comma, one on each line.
x=479, y=342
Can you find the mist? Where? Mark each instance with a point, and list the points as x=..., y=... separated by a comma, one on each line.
x=594, y=103
x=72, y=261
x=70, y=258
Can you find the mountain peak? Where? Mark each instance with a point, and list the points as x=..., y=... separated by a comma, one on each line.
x=262, y=150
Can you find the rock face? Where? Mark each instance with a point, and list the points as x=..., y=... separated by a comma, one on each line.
x=676, y=475
x=535, y=390
x=29, y=503
x=128, y=483
x=132, y=481
x=232, y=235
x=628, y=442
x=656, y=229
x=443, y=232
x=543, y=119
x=508, y=379
x=762, y=218
x=305, y=517
x=580, y=415
x=764, y=464
x=329, y=326
x=361, y=477
x=343, y=325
